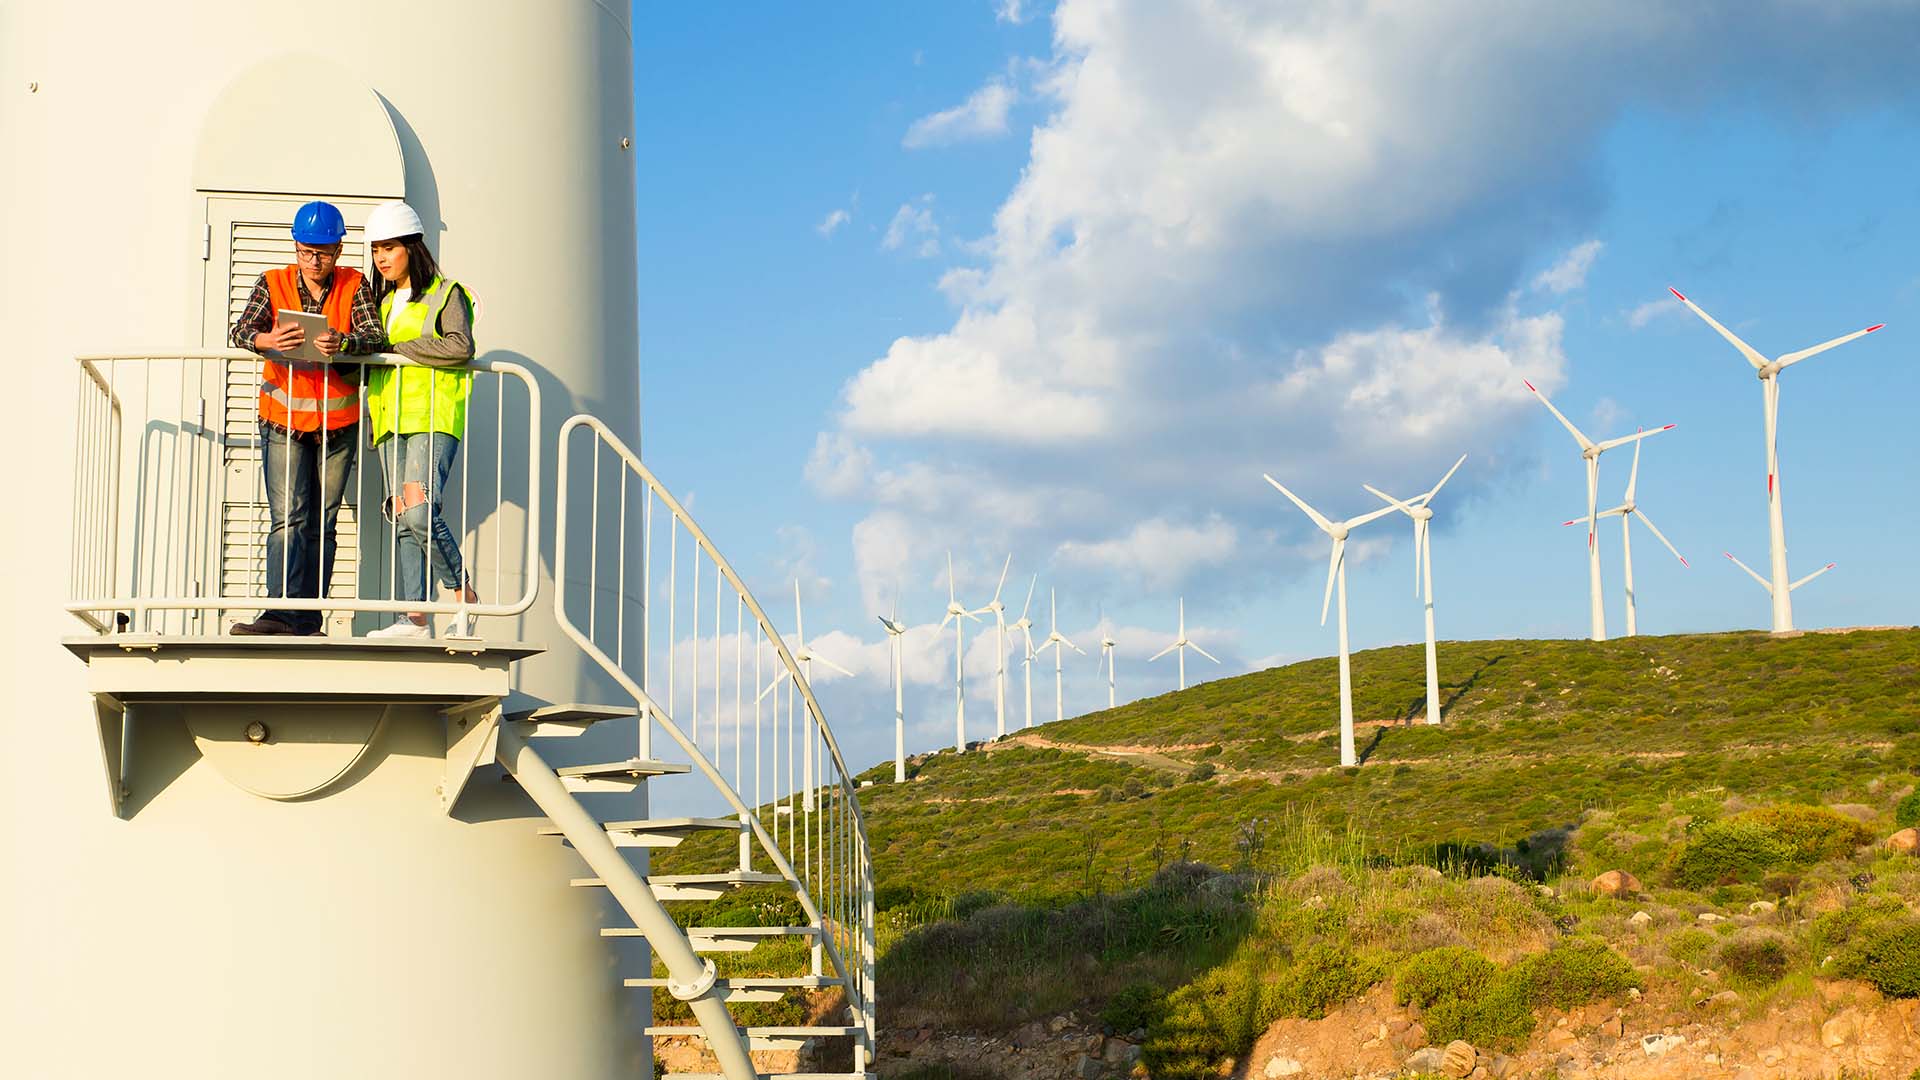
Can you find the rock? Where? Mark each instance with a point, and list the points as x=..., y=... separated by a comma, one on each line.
x=1413, y=1035
x=1502, y=1067
x=1560, y=1039
x=1633, y=993
x=1424, y=1060
x=1479, y=1073
x=1057, y=1025
x=1710, y=918
x=1617, y=883
x=1029, y=1035
x=1458, y=1059
x=1613, y=1026
x=1905, y=842
x=1089, y=1068
x=1840, y=1029
x=1762, y=907
x=1724, y=999
x=1284, y=1066
x=1658, y=1044
x=1120, y=1053
x=1639, y=918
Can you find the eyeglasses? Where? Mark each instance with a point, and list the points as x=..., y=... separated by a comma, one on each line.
x=316, y=255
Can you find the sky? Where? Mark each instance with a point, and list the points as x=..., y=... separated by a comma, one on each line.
x=1062, y=282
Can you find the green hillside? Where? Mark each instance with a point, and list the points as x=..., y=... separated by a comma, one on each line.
x=1535, y=733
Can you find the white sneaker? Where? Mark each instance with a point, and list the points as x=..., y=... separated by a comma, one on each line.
x=403, y=628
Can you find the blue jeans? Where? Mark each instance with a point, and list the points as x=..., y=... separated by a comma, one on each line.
x=304, y=489
x=415, y=468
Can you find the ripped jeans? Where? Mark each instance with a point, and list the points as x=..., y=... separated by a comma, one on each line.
x=415, y=469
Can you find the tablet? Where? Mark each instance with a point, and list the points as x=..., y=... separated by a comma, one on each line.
x=314, y=325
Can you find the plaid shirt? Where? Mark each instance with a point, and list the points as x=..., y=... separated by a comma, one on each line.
x=366, y=336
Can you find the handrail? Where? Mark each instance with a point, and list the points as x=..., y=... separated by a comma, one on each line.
x=852, y=915
x=102, y=585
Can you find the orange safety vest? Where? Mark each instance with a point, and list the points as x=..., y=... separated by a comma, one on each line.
x=299, y=396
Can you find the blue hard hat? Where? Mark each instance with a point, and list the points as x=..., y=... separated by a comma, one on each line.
x=319, y=223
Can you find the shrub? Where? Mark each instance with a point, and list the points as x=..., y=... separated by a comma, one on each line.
x=1454, y=971
x=1211, y=1018
x=1811, y=833
x=1500, y=1017
x=1756, y=957
x=1885, y=952
x=1321, y=976
x=1573, y=972
x=1906, y=813
x=1202, y=771
x=1137, y=1006
x=1727, y=851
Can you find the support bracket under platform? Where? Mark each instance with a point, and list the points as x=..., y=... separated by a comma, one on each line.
x=473, y=739
x=110, y=718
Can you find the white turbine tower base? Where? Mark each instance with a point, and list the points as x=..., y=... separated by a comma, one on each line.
x=956, y=612
x=1421, y=511
x=1626, y=512
x=1337, y=575
x=896, y=638
x=1025, y=626
x=1180, y=645
x=1107, y=647
x=1778, y=584
x=1058, y=641
x=1590, y=452
x=999, y=612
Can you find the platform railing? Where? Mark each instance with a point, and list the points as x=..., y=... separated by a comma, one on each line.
x=648, y=596
x=170, y=513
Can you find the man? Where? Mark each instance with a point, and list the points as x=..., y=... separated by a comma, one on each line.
x=309, y=413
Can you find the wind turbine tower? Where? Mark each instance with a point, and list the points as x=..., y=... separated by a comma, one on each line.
x=956, y=612
x=1337, y=574
x=1025, y=626
x=895, y=637
x=1107, y=646
x=1590, y=452
x=1058, y=641
x=999, y=612
x=1180, y=645
x=1421, y=511
x=1626, y=512
x=1780, y=586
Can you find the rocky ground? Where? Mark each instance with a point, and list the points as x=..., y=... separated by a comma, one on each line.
x=1846, y=1030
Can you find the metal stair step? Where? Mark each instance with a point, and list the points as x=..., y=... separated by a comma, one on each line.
x=693, y=886
x=656, y=832
x=618, y=776
x=758, y=988
x=569, y=719
x=760, y=1038
x=709, y=939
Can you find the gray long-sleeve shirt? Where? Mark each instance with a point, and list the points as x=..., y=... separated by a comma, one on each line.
x=455, y=343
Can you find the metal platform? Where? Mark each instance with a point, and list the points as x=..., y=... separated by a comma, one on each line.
x=154, y=667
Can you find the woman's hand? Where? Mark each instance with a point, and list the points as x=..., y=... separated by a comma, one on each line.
x=280, y=338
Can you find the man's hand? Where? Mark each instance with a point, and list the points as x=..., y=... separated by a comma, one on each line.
x=280, y=338
x=329, y=343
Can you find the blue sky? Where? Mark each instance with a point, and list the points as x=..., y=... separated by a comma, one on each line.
x=924, y=276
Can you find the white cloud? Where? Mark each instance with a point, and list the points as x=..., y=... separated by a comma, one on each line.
x=1656, y=308
x=1156, y=552
x=1570, y=272
x=982, y=116
x=913, y=225
x=1010, y=11
x=832, y=222
x=1606, y=413
x=1292, y=238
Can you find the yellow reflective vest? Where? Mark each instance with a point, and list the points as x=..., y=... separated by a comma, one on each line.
x=412, y=400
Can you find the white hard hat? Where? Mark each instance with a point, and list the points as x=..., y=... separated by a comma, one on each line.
x=391, y=221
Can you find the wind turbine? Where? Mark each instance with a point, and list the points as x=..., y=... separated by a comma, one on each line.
x=1591, y=451
x=1180, y=645
x=1058, y=641
x=895, y=637
x=1337, y=573
x=1421, y=511
x=1769, y=372
x=956, y=612
x=1025, y=626
x=999, y=612
x=1107, y=647
x=1626, y=511
x=805, y=654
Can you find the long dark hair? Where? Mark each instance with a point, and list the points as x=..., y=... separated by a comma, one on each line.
x=421, y=270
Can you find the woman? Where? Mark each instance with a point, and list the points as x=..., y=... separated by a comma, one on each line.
x=418, y=416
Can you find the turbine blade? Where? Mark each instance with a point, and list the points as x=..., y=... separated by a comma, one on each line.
x=1396, y=503
x=833, y=665
x=1372, y=515
x=1004, y=567
x=1752, y=354
x=1072, y=646
x=946, y=620
x=1435, y=489
x=1764, y=583
x=950, y=600
x=1655, y=530
x=1162, y=653
x=1030, y=588
x=1578, y=436
x=1633, y=476
x=1811, y=576
x=1203, y=652
x=1325, y=525
x=799, y=628
x=1333, y=570
x=1647, y=433
x=771, y=687
x=1795, y=357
